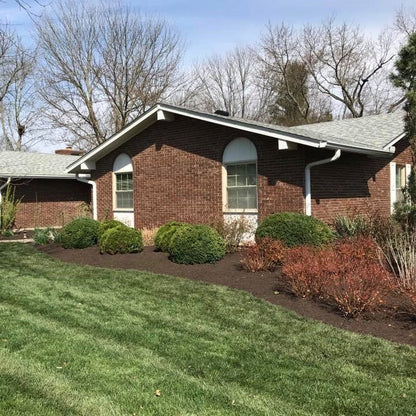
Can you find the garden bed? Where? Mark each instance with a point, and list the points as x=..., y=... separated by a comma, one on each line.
x=228, y=272
x=18, y=235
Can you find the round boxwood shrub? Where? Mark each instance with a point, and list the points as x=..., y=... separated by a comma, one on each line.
x=106, y=225
x=165, y=233
x=121, y=239
x=79, y=233
x=196, y=244
x=295, y=229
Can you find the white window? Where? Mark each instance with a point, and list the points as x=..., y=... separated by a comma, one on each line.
x=400, y=182
x=123, y=182
x=240, y=176
x=399, y=175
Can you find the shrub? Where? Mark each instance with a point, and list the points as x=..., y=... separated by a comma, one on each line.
x=121, y=239
x=8, y=209
x=43, y=236
x=106, y=225
x=196, y=244
x=79, y=233
x=351, y=226
x=347, y=274
x=165, y=233
x=149, y=235
x=399, y=251
x=295, y=229
x=263, y=256
x=234, y=231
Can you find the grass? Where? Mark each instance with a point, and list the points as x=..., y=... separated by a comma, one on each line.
x=87, y=341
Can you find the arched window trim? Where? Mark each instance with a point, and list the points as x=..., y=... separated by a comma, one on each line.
x=240, y=165
x=123, y=183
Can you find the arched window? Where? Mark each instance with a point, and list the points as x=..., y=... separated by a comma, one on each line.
x=240, y=176
x=123, y=182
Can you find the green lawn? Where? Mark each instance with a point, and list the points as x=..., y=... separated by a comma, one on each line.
x=88, y=341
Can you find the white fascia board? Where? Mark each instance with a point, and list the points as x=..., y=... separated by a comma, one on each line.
x=394, y=141
x=361, y=150
x=108, y=145
x=241, y=125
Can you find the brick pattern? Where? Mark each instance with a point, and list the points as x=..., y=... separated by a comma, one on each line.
x=178, y=173
x=177, y=176
x=50, y=202
x=354, y=183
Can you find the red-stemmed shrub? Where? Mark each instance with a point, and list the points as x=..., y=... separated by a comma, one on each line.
x=263, y=256
x=348, y=274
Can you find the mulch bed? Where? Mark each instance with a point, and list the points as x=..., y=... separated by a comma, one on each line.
x=228, y=272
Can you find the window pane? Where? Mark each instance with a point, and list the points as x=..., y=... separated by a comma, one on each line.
x=124, y=181
x=241, y=186
x=124, y=199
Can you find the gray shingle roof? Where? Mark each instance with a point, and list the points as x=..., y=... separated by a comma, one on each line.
x=370, y=131
x=32, y=165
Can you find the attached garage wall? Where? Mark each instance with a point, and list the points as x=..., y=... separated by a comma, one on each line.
x=50, y=202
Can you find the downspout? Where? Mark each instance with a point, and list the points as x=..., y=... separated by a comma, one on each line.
x=94, y=194
x=308, y=198
x=3, y=186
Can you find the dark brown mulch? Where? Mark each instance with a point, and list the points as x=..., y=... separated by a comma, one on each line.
x=228, y=272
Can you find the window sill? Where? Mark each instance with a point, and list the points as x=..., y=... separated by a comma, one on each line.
x=240, y=211
x=123, y=209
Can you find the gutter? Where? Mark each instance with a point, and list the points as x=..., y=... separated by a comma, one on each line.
x=94, y=194
x=308, y=198
x=4, y=185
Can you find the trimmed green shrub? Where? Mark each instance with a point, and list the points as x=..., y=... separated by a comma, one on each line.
x=121, y=239
x=106, y=225
x=295, y=229
x=196, y=244
x=165, y=233
x=79, y=233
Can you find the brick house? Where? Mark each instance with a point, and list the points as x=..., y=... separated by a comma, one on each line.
x=49, y=195
x=173, y=163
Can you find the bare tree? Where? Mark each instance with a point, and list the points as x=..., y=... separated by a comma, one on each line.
x=343, y=63
x=11, y=59
x=228, y=83
x=293, y=98
x=20, y=111
x=103, y=66
x=405, y=22
x=344, y=68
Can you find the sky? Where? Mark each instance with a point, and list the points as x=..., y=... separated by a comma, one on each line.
x=213, y=26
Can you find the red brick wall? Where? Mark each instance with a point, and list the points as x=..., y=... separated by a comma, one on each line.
x=354, y=183
x=50, y=202
x=177, y=173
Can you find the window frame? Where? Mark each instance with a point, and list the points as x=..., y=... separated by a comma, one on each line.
x=227, y=208
x=123, y=191
x=128, y=170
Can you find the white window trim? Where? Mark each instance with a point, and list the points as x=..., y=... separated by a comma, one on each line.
x=408, y=168
x=114, y=186
x=225, y=208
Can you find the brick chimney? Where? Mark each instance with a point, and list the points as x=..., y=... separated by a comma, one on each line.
x=69, y=151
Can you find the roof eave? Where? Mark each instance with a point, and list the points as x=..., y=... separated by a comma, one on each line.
x=361, y=150
x=148, y=118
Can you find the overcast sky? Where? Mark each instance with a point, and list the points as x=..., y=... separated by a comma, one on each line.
x=214, y=26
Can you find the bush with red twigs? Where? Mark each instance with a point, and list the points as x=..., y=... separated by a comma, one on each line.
x=347, y=274
x=266, y=255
